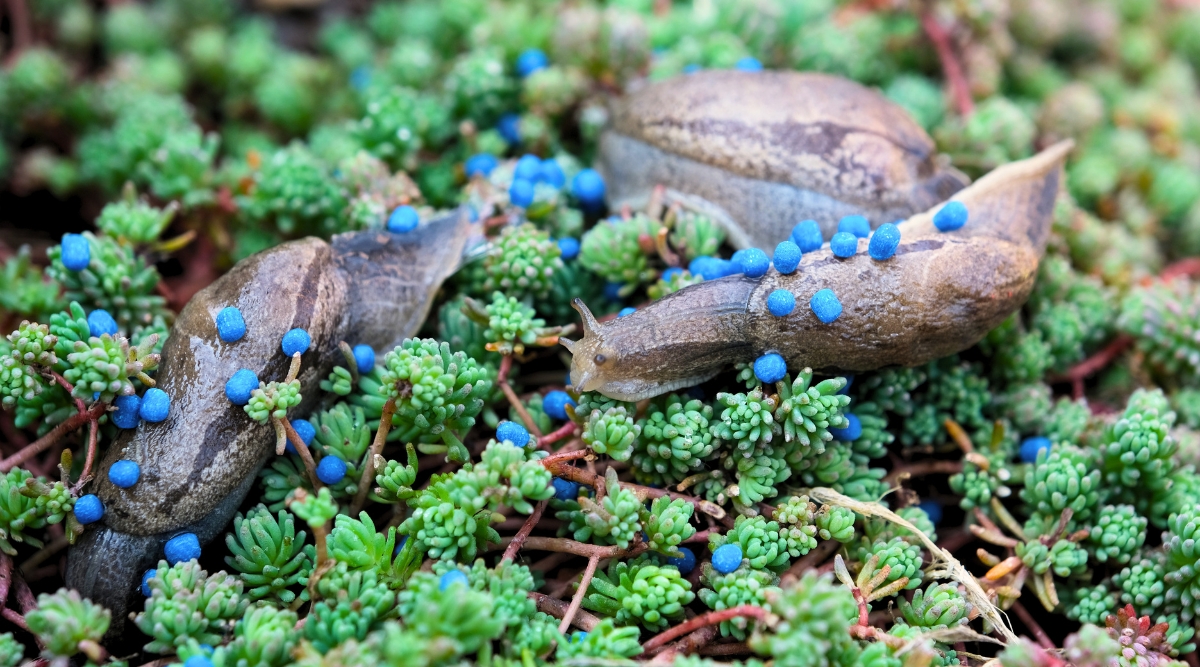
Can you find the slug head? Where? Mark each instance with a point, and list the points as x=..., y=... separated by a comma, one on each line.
x=592, y=358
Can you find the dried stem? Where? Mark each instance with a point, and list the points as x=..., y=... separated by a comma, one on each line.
x=556, y=435
x=813, y=558
x=93, y=440
x=37, y=446
x=559, y=468
x=564, y=545
x=583, y=619
x=577, y=600
x=385, y=425
x=710, y=618
x=513, y=547
x=924, y=468
x=302, y=450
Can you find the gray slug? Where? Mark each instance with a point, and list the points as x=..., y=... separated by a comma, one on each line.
x=760, y=151
x=939, y=294
x=197, y=466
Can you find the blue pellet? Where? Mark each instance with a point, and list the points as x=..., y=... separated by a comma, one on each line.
x=100, y=322
x=612, y=291
x=512, y=432
x=1032, y=447
x=770, y=368
x=849, y=383
x=451, y=578
x=569, y=247
x=748, y=64
x=239, y=387
x=851, y=432
x=807, y=235
x=727, y=558
x=555, y=404
x=124, y=473
x=671, y=272
x=884, y=242
x=155, y=405
x=126, y=414
x=686, y=563
x=88, y=509
x=146, y=577
x=360, y=79
x=565, y=489
x=711, y=268
x=364, y=358
x=296, y=340
x=752, y=262
x=950, y=217
x=403, y=219
x=530, y=61
x=932, y=509
x=520, y=193
x=628, y=310
x=181, y=548
x=826, y=306
x=552, y=174
x=509, y=127
x=787, y=257
x=230, y=324
x=198, y=661
x=528, y=168
x=856, y=225
x=781, y=302
x=588, y=187
x=480, y=164
x=691, y=68
x=331, y=469
x=76, y=252
x=305, y=430
x=843, y=244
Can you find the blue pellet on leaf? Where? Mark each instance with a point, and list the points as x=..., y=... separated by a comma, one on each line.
x=146, y=577
x=480, y=164
x=852, y=431
x=76, y=252
x=555, y=404
x=512, y=432
x=520, y=193
x=569, y=247
x=565, y=489
x=331, y=470
x=1031, y=447
x=686, y=563
x=770, y=368
x=183, y=547
x=364, y=358
x=451, y=578
x=100, y=322
x=727, y=558
x=530, y=61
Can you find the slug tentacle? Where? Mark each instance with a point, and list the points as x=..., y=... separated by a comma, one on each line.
x=938, y=294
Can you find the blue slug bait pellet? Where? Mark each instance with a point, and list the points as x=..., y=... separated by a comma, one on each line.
x=403, y=219
x=296, y=340
x=198, y=661
x=825, y=306
x=239, y=387
x=807, y=235
x=364, y=358
x=843, y=244
x=530, y=61
x=852, y=431
x=569, y=247
x=100, y=322
x=520, y=193
x=565, y=489
x=770, y=368
x=126, y=414
x=155, y=405
x=628, y=310
x=787, y=257
x=748, y=64
x=305, y=430
x=230, y=325
x=509, y=127
x=555, y=404
x=752, y=262
x=149, y=574
x=884, y=242
x=529, y=168
x=331, y=470
x=932, y=509
x=181, y=548
x=552, y=174
x=88, y=509
x=950, y=217
x=686, y=563
x=480, y=164
x=856, y=225
x=1031, y=447
x=588, y=188
x=76, y=252
x=671, y=272
x=711, y=268
x=124, y=473
x=451, y=578
x=849, y=383
x=727, y=558
x=781, y=302
x=512, y=432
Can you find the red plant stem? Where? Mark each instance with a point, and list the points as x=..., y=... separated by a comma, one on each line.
x=368, y=474
x=506, y=362
x=1184, y=267
x=6, y=566
x=16, y=619
x=62, y=381
x=1191, y=659
x=70, y=424
x=813, y=558
x=559, y=468
x=513, y=547
x=1077, y=373
x=558, y=434
x=956, y=79
x=736, y=648
x=93, y=440
x=22, y=28
x=711, y=618
x=1039, y=634
x=558, y=609
x=564, y=545
x=584, y=583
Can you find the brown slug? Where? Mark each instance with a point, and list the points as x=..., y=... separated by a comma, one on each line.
x=761, y=151
x=368, y=287
x=938, y=294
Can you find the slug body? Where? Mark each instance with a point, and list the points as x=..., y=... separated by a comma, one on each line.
x=939, y=294
x=197, y=466
x=761, y=151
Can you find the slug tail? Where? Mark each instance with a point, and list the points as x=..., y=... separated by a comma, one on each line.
x=107, y=566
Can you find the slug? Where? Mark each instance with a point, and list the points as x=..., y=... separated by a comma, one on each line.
x=940, y=293
x=760, y=151
x=197, y=466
